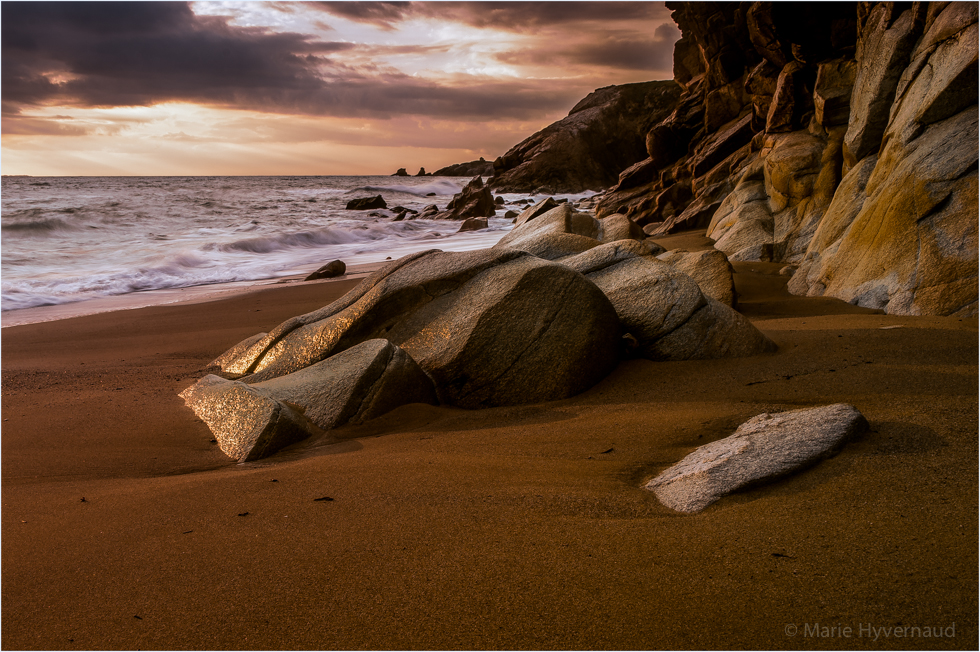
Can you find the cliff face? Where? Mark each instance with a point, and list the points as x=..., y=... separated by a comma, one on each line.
x=838, y=137
x=586, y=150
x=482, y=167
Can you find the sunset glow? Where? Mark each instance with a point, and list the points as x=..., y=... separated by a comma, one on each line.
x=240, y=88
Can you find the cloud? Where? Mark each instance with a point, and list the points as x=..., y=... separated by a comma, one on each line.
x=95, y=54
x=383, y=15
x=518, y=17
x=619, y=51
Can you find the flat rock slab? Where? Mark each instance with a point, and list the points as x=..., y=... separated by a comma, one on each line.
x=763, y=448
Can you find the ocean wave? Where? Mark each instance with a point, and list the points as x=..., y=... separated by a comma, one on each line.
x=319, y=238
x=40, y=226
x=441, y=187
x=183, y=270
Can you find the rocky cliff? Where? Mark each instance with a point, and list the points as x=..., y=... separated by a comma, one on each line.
x=472, y=168
x=601, y=135
x=837, y=137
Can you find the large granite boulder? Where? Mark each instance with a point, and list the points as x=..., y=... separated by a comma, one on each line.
x=475, y=200
x=602, y=135
x=253, y=421
x=664, y=309
x=764, y=448
x=490, y=327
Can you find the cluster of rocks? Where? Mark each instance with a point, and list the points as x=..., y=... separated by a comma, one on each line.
x=839, y=138
x=543, y=315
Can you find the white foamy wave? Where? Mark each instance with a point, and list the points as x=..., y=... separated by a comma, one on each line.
x=84, y=238
x=440, y=187
x=183, y=270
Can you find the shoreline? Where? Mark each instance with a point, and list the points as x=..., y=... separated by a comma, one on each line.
x=166, y=297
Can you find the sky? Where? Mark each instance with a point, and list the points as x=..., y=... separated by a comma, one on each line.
x=304, y=88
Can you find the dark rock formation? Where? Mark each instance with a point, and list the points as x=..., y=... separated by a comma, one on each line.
x=475, y=200
x=602, y=135
x=482, y=168
x=401, y=173
x=840, y=138
x=421, y=173
x=429, y=212
x=366, y=203
x=330, y=270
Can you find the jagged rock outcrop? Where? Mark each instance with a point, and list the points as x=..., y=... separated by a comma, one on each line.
x=401, y=172
x=475, y=200
x=481, y=168
x=841, y=138
x=601, y=135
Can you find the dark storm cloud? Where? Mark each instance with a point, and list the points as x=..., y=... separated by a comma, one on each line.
x=95, y=54
x=509, y=16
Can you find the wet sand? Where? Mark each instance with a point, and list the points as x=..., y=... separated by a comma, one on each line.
x=513, y=528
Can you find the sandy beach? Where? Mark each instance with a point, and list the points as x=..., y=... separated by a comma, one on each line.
x=124, y=527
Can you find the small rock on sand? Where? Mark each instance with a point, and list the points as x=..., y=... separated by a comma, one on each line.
x=763, y=448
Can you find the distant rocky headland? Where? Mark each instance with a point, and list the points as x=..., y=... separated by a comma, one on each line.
x=472, y=168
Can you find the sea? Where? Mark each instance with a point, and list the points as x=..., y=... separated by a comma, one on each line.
x=105, y=243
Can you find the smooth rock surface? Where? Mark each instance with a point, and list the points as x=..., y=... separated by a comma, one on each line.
x=473, y=224
x=763, y=448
